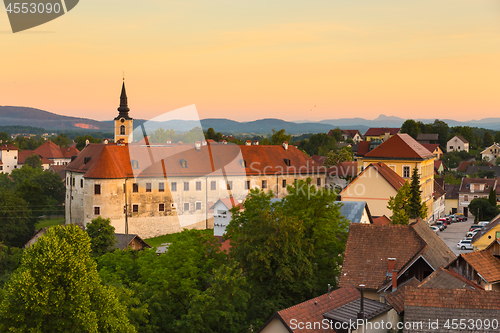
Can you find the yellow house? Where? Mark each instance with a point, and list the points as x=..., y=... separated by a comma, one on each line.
x=381, y=134
x=402, y=154
x=375, y=185
x=487, y=235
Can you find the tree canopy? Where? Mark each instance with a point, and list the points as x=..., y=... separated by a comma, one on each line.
x=102, y=236
x=57, y=288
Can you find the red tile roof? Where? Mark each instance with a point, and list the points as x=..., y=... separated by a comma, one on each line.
x=452, y=298
x=466, y=182
x=312, y=310
x=430, y=146
x=438, y=191
x=486, y=264
x=351, y=133
x=52, y=151
x=319, y=159
x=114, y=161
x=363, y=148
x=390, y=175
x=447, y=279
x=381, y=220
x=400, y=146
x=21, y=157
x=344, y=169
x=397, y=297
x=461, y=138
x=463, y=166
x=381, y=131
x=8, y=146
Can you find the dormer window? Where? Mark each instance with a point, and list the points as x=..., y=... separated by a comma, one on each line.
x=287, y=161
x=86, y=159
x=184, y=163
x=135, y=164
x=243, y=163
x=468, y=185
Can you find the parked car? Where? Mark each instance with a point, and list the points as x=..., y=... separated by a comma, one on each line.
x=461, y=216
x=475, y=226
x=440, y=225
x=472, y=233
x=435, y=229
x=465, y=244
x=483, y=223
x=445, y=221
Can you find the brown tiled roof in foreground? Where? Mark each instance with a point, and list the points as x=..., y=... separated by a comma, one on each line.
x=452, y=298
x=486, y=264
x=114, y=161
x=400, y=146
x=313, y=309
x=368, y=248
x=447, y=279
x=397, y=297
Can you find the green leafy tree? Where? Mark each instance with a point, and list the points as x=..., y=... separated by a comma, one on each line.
x=492, y=198
x=81, y=141
x=465, y=131
x=488, y=139
x=411, y=127
x=210, y=134
x=61, y=140
x=399, y=205
x=10, y=259
x=16, y=223
x=318, y=144
x=441, y=128
x=102, y=236
x=4, y=137
x=278, y=137
x=497, y=137
x=450, y=179
x=497, y=161
x=34, y=161
x=333, y=158
x=336, y=134
x=57, y=289
x=482, y=209
x=416, y=208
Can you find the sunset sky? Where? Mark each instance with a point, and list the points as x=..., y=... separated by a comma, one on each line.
x=246, y=60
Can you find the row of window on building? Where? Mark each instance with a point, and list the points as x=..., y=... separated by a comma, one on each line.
x=173, y=186
x=161, y=207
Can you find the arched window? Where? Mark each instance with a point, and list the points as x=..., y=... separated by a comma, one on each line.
x=122, y=130
x=135, y=164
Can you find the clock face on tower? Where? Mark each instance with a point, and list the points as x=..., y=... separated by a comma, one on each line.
x=122, y=120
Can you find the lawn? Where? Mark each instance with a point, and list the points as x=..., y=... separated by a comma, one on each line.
x=49, y=222
x=171, y=238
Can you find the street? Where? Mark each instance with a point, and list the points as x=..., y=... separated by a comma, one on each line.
x=454, y=234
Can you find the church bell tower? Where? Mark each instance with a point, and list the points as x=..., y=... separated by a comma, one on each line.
x=124, y=125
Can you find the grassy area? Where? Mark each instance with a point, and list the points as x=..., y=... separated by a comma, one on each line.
x=49, y=222
x=172, y=238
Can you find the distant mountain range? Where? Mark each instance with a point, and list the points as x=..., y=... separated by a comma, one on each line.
x=24, y=116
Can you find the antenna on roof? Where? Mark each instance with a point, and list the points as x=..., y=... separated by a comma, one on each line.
x=329, y=290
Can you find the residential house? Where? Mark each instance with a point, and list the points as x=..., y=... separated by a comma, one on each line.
x=339, y=176
x=491, y=153
x=434, y=310
x=222, y=214
x=356, y=212
x=383, y=257
x=402, y=154
x=380, y=134
x=336, y=311
x=130, y=241
x=428, y=138
x=451, y=198
x=472, y=188
x=457, y=143
x=362, y=148
x=8, y=157
x=487, y=235
x=439, y=167
x=481, y=267
x=58, y=155
x=434, y=149
x=439, y=205
x=381, y=220
x=483, y=171
x=163, y=188
x=46, y=163
x=354, y=135
x=375, y=185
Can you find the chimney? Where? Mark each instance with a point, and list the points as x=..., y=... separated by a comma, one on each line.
x=391, y=268
x=87, y=142
x=256, y=142
x=285, y=145
x=224, y=142
x=169, y=141
x=197, y=145
x=105, y=141
x=387, y=136
x=248, y=143
x=203, y=142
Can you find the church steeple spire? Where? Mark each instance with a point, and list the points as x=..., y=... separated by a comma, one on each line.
x=123, y=109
